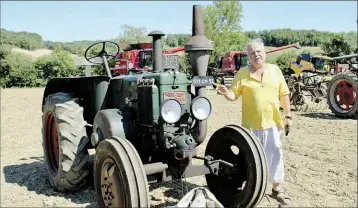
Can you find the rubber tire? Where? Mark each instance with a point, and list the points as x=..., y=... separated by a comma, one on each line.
x=261, y=179
x=73, y=167
x=353, y=113
x=132, y=171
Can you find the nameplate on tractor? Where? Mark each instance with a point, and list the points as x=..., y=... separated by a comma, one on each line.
x=180, y=96
x=203, y=81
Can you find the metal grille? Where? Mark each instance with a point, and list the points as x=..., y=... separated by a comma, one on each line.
x=170, y=61
x=145, y=105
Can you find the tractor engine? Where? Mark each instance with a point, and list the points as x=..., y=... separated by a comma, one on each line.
x=163, y=114
x=169, y=113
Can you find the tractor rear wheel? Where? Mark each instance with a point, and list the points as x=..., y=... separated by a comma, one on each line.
x=65, y=142
x=342, y=95
x=120, y=179
x=245, y=186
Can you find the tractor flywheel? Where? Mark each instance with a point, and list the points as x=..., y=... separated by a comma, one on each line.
x=245, y=184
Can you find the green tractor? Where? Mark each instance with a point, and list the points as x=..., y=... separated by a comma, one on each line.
x=146, y=128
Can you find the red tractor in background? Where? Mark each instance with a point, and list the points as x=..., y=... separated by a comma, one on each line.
x=232, y=61
x=136, y=58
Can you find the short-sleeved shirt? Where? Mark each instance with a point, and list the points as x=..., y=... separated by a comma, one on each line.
x=260, y=100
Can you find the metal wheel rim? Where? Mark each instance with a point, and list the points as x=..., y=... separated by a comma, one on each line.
x=51, y=143
x=333, y=95
x=233, y=182
x=300, y=98
x=112, y=186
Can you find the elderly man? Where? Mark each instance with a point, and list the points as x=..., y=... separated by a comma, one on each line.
x=262, y=87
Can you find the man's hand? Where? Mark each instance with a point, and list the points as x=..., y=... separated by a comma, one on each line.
x=287, y=123
x=221, y=89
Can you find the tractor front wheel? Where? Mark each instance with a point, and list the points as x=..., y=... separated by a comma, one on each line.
x=120, y=179
x=245, y=184
x=342, y=95
x=65, y=142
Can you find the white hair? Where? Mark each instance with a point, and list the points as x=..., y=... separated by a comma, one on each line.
x=254, y=41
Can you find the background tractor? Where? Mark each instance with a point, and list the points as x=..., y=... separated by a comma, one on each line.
x=232, y=61
x=342, y=88
x=145, y=128
x=306, y=77
x=136, y=58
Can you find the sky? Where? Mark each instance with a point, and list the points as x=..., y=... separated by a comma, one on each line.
x=93, y=20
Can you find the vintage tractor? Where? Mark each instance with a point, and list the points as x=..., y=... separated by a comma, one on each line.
x=232, y=61
x=146, y=128
x=306, y=77
x=342, y=90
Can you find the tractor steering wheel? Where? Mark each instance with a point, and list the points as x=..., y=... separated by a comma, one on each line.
x=102, y=53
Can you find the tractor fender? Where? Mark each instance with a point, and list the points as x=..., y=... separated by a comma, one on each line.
x=92, y=92
x=112, y=123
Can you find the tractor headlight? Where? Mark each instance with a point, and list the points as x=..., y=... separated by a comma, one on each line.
x=171, y=111
x=200, y=108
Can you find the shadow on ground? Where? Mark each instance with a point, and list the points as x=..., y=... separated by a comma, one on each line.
x=175, y=190
x=33, y=176
x=328, y=116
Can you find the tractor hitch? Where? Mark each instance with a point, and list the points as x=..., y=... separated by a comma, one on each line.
x=210, y=166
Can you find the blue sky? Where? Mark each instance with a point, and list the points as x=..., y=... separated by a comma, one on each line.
x=92, y=20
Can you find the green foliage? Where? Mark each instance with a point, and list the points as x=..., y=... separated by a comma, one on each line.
x=25, y=40
x=185, y=67
x=58, y=64
x=283, y=60
x=18, y=71
x=337, y=46
x=131, y=34
x=175, y=40
x=4, y=66
x=280, y=37
x=222, y=26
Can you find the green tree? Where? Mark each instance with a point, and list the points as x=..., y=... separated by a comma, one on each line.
x=222, y=26
x=21, y=72
x=130, y=34
x=336, y=46
x=57, y=64
x=283, y=60
x=5, y=50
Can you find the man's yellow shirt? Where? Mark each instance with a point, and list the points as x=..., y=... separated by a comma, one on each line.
x=260, y=100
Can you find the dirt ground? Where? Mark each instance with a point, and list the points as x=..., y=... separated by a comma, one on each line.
x=320, y=157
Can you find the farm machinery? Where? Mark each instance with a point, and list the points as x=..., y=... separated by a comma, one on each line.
x=146, y=128
x=136, y=58
x=232, y=61
x=342, y=89
x=306, y=78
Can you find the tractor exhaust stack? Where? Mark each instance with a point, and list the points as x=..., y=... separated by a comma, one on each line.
x=199, y=49
x=157, y=50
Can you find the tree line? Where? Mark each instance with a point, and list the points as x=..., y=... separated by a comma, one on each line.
x=222, y=26
x=274, y=38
